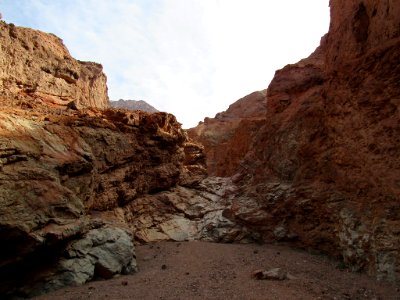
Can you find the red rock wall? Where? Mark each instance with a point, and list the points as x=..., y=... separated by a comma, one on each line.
x=324, y=170
x=321, y=167
x=360, y=26
x=228, y=137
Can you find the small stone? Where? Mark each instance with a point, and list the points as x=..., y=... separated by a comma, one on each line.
x=147, y=258
x=163, y=267
x=124, y=282
x=255, y=251
x=271, y=274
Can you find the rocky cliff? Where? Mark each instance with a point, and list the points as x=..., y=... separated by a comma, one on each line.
x=63, y=176
x=323, y=170
x=37, y=64
x=78, y=184
x=133, y=105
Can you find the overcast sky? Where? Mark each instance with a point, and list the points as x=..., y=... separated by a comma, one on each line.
x=192, y=58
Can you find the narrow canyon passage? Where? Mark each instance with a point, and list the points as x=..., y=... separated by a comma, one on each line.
x=310, y=162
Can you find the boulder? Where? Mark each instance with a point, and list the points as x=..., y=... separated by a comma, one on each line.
x=271, y=274
x=100, y=253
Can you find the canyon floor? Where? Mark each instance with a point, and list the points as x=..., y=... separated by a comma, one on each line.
x=200, y=270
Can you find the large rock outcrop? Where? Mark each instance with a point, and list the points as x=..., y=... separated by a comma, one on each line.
x=65, y=175
x=38, y=64
x=323, y=169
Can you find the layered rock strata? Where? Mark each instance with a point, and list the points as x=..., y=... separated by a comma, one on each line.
x=71, y=168
x=64, y=176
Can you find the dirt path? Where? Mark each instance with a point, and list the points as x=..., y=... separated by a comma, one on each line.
x=199, y=270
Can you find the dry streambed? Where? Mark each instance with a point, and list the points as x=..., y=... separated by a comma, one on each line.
x=200, y=270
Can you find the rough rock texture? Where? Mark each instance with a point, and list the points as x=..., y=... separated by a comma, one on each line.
x=133, y=105
x=100, y=253
x=323, y=171
x=182, y=214
x=62, y=172
x=38, y=64
x=228, y=136
x=69, y=170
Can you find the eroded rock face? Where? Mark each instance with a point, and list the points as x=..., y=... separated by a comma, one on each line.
x=71, y=171
x=63, y=174
x=182, y=214
x=323, y=169
x=38, y=64
x=228, y=136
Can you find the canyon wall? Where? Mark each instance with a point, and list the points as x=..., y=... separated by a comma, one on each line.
x=228, y=136
x=67, y=181
x=73, y=172
x=322, y=171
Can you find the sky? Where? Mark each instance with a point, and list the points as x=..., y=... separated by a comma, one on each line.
x=192, y=58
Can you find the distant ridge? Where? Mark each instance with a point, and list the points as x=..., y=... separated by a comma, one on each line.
x=133, y=105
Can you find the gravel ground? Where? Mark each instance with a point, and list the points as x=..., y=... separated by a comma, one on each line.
x=200, y=270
